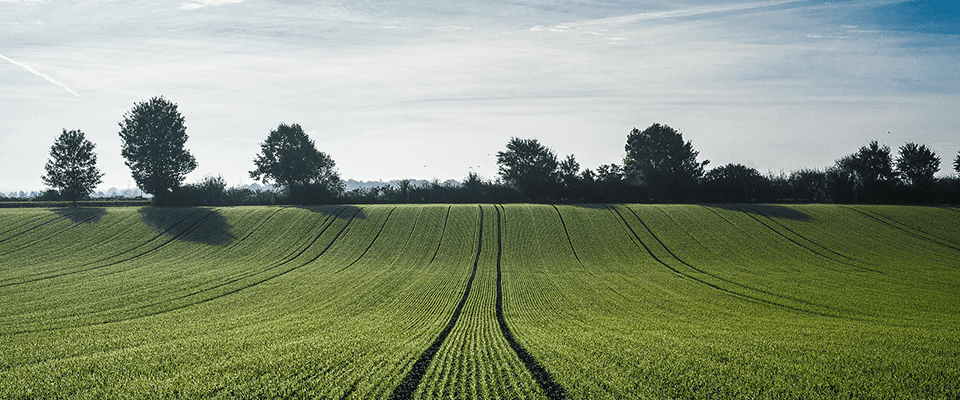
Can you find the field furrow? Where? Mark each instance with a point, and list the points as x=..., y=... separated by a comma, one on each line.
x=481, y=301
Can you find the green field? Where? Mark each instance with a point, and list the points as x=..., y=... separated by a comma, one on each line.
x=468, y=301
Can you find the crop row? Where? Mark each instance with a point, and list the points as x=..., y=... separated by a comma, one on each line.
x=468, y=301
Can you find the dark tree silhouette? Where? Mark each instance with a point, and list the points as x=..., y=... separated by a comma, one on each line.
x=842, y=181
x=153, y=136
x=72, y=167
x=873, y=163
x=873, y=167
x=735, y=182
x=808, y=185
x=530, y=167
x=290, y=159
x=569, y=172
x=659, y=160
x=917, y=164
x=956, y=163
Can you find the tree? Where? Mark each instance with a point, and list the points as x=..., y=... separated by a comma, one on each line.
x=658, y=159
x=956, y=163
x=530, y=167
x=153, y=136
x=72, y=167
x=290, y=159
x=735, y=182
x=809, y=185
x=873, y=169
x=917, y=164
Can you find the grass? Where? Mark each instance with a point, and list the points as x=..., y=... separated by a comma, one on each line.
x=481, y=301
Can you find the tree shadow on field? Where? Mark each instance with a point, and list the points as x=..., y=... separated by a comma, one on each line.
x=82, y=215
x=191, y=224
x=339, y=211
x=767, y=210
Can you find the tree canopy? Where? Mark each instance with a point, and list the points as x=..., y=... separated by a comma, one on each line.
x=735, y=182
x=530, y=167
x=154, y=135
x=72, y=167
x=917, y=164
x=291, y=160
x=956, y=163
x=659, y=160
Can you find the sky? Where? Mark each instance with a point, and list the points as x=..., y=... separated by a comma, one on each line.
x=434, y=89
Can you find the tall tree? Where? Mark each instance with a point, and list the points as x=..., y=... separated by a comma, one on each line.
x=658, y=159
x=956, y=163
x=154, y=134
x=530, y=167
x=291, y=160
x=917, y=164
x=72, y=167
x=873, y=167
x=873, y=163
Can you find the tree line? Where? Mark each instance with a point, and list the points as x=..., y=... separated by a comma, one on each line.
x=659, y=166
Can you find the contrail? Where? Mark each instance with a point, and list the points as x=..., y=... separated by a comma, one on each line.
x=40, y=74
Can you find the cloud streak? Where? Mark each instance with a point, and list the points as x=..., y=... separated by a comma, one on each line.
x=686, y=12
x=40, y=74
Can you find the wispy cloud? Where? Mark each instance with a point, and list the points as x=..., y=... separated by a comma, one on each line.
x=684, y=12
x=40, y=74
x=205, y=3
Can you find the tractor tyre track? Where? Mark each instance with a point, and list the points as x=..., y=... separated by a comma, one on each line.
x=208, y=289
x=413, y=378
x=543, y=378
x=384, y=225
x=130, y=250
x=442, y=232
x=917, y=233
x=57, y=218
x=806, y=238
x=805, y=247
x=639, y=243
x=574, y=250
x=722, y=279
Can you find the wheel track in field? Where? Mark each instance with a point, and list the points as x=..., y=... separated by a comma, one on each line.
x=847, y=263
x=52, y=235
x=917, y=233
x=575, y=255
x=720, y=278
x=32, y=220
x=543, y=378
x=67, y=251
x=209, y=289
x=44, y=276
x=57, y=218
x=188, y=231
x=746, y=297
x=412, y=379
x=443, y=231
x=384, y=225
x=791, y=240
x=684, y=230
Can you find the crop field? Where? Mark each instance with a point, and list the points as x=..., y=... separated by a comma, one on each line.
x=481, y=301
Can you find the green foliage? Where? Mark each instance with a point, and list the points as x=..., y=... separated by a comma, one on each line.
x=154, y=134
x=658, y=159
x=72, y=167
x=917, y=164
x=735, y=183
x=621, y=301
x=530, y=167
x=290, y=159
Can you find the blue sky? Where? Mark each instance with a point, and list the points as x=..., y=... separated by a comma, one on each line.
x=429, y=90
